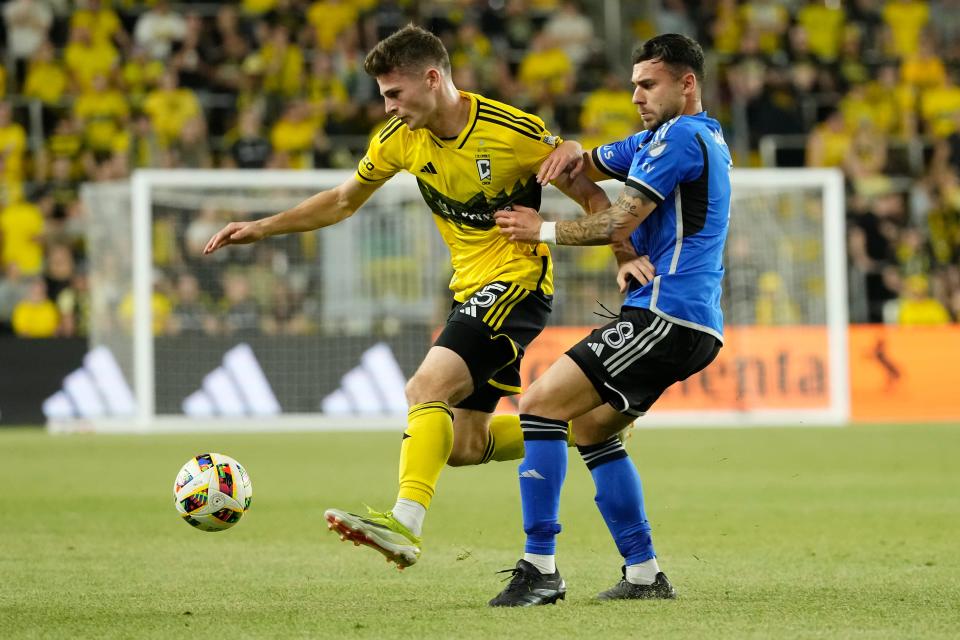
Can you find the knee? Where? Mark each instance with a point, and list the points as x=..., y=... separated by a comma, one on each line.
x=420, y=389
x=535, y=402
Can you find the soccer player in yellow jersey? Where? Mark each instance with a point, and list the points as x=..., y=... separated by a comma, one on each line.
x=471, y=156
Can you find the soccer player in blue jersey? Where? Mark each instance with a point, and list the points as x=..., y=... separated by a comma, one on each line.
x=675, y=206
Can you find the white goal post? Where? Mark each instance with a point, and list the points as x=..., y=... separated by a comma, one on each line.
x=318, y=331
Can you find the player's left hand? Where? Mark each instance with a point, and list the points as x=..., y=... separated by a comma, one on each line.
x=568, y=156
x=520, y=224
x=639, y=269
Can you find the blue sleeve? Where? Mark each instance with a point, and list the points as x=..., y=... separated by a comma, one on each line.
x=674, y=155
x=614, y=159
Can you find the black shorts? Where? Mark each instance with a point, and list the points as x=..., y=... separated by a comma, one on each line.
x=632, y=360
x=490, y=332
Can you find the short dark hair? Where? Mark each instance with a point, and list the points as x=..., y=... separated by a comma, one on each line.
x=676, y=51
x=410, y=49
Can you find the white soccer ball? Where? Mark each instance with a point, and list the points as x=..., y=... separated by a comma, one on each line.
x=212, y=492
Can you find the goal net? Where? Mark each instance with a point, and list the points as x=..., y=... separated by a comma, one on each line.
x=321, y=330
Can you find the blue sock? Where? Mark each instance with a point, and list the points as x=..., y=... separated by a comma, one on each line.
x=620, y=498
x=542, y=472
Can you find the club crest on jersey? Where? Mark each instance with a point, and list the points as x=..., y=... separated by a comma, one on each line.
x=657, y=148
x=484, y=168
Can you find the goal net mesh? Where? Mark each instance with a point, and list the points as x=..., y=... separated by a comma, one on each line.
x=333, y=321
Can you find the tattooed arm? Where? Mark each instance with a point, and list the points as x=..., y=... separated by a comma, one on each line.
x=611, y=226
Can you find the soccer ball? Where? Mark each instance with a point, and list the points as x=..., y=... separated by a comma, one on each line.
x=212, y=492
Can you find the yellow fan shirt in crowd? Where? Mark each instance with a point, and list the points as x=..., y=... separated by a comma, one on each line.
x=938, y=108
x=102, y=116
x=472, y=53
x=13, y=143
x=923, y=71
x=295, y=138
x=257, y=7
x=35, y=319
x=21, y=227
x=769, y=20
x=833, y=146
x=545, y=6
x=906, y=20
x=169, y=111
x=608, y=115
x=491, y=163
x=726, y=28
x=139, y=76
x=65, y=144
x=46, y=81
x=284, y=69
x=891, y=104
x=102, y=24
x=328, y=89
x=329, y=19
x=876, y=105
x=550, y=68
x=926, y=311
x=86, y=62
x=824, y=27
x=162, y=308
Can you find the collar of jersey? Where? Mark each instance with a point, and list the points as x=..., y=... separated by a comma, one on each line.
x=461, y=138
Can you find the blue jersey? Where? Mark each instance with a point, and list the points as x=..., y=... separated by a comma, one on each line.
x=683, y=166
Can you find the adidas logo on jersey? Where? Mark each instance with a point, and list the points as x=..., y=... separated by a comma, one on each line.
x=429, y=168
x=597, y=347
x=469, y=310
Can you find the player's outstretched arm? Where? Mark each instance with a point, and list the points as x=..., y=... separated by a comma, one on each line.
x=320, y=210
x=610, y=226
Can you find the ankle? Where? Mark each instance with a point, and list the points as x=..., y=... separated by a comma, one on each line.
x=410, y=514
x=545, y=564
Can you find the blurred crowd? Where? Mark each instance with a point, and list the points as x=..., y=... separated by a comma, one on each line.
x=92, y=89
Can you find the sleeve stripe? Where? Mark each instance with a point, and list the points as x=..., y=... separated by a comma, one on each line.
x=600, y=164
x=512, y=116
x=392, y=121
x=510, y=126
x=366, y=179
x=523, y=122
x=387, y=133
x=646, y=189
x=388, y=124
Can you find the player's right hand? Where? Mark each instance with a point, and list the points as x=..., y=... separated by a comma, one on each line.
x=639, y=269
x=234, y=233
x=568, y=157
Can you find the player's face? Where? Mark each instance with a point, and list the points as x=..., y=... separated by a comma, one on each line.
x=409, y=96
x=658, y=93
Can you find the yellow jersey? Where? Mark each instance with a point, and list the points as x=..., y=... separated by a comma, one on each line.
x=46, y=81
x=492, y=163
x=35, y=319
x=21, y=228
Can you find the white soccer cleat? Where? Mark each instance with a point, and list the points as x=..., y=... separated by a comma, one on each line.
x=380, y=531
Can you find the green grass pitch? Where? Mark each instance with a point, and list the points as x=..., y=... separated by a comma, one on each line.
x=767, y=533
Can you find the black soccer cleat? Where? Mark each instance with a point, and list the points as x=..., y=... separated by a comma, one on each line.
x=661, y=589
x=529, y=587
